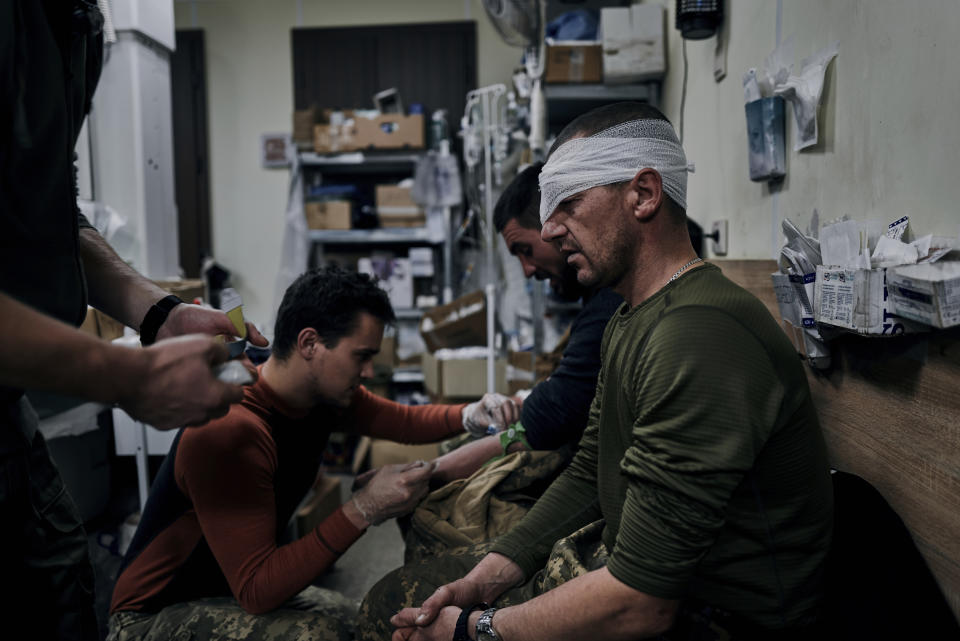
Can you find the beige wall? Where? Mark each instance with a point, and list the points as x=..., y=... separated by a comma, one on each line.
x=887, y=121
x=249, y=92
x=888, y=124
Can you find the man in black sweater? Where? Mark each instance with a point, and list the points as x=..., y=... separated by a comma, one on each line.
x=555, y=412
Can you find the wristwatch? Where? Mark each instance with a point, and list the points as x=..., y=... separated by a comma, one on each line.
x=155, y=317
x=485, y=631
x=460, y=631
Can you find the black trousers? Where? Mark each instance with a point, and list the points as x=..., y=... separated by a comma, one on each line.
x=47, y=576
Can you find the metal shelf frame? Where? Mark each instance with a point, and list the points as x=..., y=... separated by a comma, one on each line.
x=381, y=236
x=360, y=162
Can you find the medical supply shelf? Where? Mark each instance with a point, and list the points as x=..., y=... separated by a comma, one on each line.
x=366, y=168
x=361, y=162
x=567, y=101
x=396, y=235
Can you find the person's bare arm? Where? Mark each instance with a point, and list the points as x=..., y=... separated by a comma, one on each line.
x=167, y=385
x=114, y=287
x=39, y=352
x=465, y=460
x=595, y=605
x=123, y=293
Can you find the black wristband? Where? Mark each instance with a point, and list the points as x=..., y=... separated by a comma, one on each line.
x=460, y=632
x=155, y=317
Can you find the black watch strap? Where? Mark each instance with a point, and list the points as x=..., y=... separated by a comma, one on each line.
x=460, y=631
x=155, y=317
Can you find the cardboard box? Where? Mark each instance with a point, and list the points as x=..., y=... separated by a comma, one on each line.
x=633, y=43
x=395, y=207
x=303, y=123
x=188, y=289
x=394, y=197
x=929, y=293
x=331, y=139
x=387, y=452
x=89, y=325
x=403, y=220
x=857, y=300
x=108, y=327
x=322, y=502
x=389, y=131
x=522, y=361
x=461, y=378
x=329, y=214
x=521, y=371
x=98, y=324
x=459, y=323
x=574, y=62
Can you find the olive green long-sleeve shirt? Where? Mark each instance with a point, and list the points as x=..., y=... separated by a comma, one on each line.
x=704, y=455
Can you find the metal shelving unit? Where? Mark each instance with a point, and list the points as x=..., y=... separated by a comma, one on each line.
x=397, y=235
x=644, y=92
x=407, y=376
x=566, y=102
x=367, y=167
x=408, y=314
x=361, y=162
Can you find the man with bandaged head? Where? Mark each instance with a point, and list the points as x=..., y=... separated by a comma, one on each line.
x=699, y=503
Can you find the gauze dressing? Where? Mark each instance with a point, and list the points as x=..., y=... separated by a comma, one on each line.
x=615, y=155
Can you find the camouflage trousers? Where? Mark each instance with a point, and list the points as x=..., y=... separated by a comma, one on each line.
x=48, y=580
x=572, y=556
x=482, y=506
x=313, y=615
x=408, y=586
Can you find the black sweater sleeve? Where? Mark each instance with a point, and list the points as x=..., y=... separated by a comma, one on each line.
x=556, y=411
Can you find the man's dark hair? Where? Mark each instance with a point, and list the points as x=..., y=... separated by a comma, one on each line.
x=601, y=118
x=330, y=300
x=520, y=201
x=596, y=120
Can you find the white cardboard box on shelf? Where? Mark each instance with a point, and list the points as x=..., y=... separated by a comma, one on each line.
x=929, y=293
x=633, y=43
x=856, y=299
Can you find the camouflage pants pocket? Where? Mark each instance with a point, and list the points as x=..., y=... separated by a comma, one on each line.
x=572, y=556
x=409, y=586
x=312, y=615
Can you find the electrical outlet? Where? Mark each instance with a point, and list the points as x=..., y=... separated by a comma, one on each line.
x=718, y=235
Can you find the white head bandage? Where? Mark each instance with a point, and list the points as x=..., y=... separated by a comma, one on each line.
x=611, y=156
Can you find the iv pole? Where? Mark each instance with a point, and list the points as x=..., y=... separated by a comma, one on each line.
x=490, y=114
